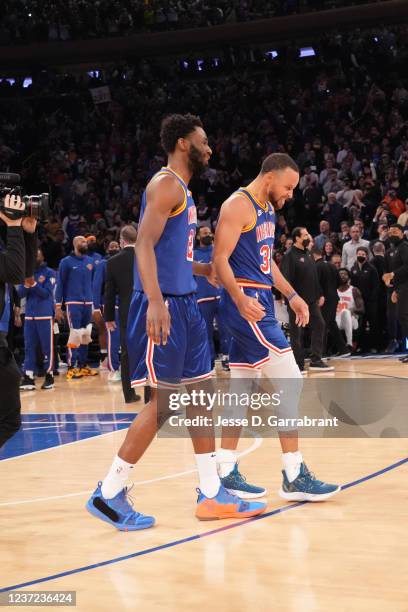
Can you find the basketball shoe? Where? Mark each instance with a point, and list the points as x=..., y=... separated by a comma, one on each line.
x=87, y=371
x=118, y=511
x=236, y=484
x=306, y=487
x=225, y=505
x=73, y=373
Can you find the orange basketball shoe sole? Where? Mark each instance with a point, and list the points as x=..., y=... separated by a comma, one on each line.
x=209, y=510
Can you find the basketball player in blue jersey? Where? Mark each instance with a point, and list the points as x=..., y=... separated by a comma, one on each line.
x=245, y=268
x=167, y=337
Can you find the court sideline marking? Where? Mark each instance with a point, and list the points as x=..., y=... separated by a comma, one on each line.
x=147, y=551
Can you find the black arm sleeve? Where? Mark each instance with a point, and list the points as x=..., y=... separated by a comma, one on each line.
x=12, y=260
x=110, y=294
x=31, y=246
x=401, y=273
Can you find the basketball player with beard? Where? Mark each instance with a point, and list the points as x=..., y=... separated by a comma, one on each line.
x=245, y=268
x=167, y=337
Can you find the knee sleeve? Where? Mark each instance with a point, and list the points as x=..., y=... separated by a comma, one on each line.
x=281, y=375
x=86, y=334
x=240, y=385
x=74, y=338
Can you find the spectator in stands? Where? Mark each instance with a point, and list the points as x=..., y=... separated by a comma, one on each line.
x=349, y=254
x=324, y=235
x=365, y=277
x=332, y=212
x=336, y=260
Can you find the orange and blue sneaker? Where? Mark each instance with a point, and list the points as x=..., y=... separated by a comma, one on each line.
x=306, y=487
x=236, y=484
x=225, y=505
x=118, y=511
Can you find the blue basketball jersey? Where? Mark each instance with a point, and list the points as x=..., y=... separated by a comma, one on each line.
x=175, y=248
x=251, y=260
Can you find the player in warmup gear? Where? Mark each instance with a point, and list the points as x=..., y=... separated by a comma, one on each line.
x=38, y=323
x=167, y=337
x=97, y=259
x=243, y=258
x=113, y=337
x=74, y=289
x=208, y=297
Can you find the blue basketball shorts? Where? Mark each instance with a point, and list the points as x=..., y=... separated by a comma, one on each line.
x=252, y=343
x=186, y=356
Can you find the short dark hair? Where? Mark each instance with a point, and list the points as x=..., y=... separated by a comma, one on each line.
x=128, y=233
x=296, y=232
x=176, y=126
x=345, y=270
x=316, y=251
x=278, y=161
x=362, y=248
x=398, y=226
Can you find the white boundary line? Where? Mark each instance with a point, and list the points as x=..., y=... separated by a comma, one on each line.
x=254, y=446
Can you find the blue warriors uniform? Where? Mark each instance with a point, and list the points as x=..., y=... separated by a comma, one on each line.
x=251, y=263
x=208, y=298
x=39, y=319
x=113, y=336
x=186, y=356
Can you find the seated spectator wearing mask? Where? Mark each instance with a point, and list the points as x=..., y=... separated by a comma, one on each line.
x=364, y=276
x=350, y=305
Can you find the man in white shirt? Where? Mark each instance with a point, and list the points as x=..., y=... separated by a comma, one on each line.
x=349, y=254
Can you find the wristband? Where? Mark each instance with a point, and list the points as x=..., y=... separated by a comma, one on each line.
x=291, y=296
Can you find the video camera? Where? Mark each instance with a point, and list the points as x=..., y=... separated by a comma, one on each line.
x=15, y=205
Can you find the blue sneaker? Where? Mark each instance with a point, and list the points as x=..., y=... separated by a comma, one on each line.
x=118, y=511
x=236, y=484
x=224, y=506
x=306, y=487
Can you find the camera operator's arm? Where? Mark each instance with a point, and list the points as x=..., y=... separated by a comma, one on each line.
x=31, y=244
x=12, y=260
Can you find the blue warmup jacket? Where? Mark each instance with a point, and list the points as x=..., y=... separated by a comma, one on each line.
x=40, y=298
x=74, y=283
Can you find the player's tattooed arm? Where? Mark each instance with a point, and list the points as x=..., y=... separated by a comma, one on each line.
x=236, y=213
x=163, y=195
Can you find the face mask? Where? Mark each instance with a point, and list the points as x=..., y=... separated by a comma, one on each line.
x=306, y=242
x=394, y=240
x=113, y=252
x=361, y=259
x=207, y=240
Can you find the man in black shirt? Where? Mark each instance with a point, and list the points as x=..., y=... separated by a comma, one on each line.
x=299, y=269
x=364, y=276
x=396, y=277
x=119, y=282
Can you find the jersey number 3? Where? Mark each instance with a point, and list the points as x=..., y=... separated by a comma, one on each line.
x=265, y=254
x=190, y=245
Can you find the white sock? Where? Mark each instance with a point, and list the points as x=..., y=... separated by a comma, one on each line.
x=291, y=464
x=104, y=352
x=208, y=475
x=116, y=478
x=226, y=459
x=30, y=373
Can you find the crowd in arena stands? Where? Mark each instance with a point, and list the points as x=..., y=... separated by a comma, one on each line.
x=34, y=20
x=346, y=130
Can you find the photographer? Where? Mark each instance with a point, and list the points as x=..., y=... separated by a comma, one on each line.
x=17, y=260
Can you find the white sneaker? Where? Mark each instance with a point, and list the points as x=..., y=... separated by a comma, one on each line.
x=114, y=377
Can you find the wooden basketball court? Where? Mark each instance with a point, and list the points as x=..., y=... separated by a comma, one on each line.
x=349, y=554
